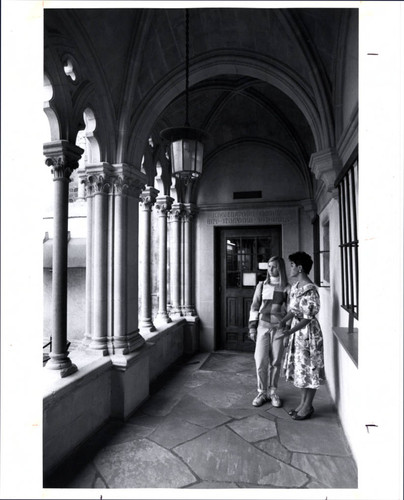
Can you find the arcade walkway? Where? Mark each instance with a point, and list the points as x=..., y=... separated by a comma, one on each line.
x=199, y=430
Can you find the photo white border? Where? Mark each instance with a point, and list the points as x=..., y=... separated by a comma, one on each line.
x=381, y=80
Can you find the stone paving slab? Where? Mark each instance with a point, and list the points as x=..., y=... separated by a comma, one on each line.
x=334, y=472
x=306, y=436
x=274, y=448
x=254, y=428
x=212, y=485
x=174, y=431
x=142, y=464
x=220, y=455
x=196, y=412
x=228, y=362
x=161, y=404
x=118, y=432
x=144, y=420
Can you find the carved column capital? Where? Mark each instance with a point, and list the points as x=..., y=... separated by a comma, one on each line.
x=148, y=197
x=176, y=212
x=62, y=157
x=309, y=206
x=189, y=212
x=96, y=178
x=325, y=165
x=132, y=181
x=164, y=204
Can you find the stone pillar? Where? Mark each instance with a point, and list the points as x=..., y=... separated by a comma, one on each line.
x=189, y=214
x=98, y=187
x=127, y=186
x=175, y=257
x=163, y=205
x=63, y=158
x=112, y=237
x=148, y=198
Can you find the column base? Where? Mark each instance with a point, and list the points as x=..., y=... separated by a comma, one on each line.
x=99, y=344
x=147, y=325
x=175, y=312
x=162, y=318
x=126, y=344
x=63, y=365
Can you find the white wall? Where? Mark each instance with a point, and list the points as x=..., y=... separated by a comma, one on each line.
x=341, y=373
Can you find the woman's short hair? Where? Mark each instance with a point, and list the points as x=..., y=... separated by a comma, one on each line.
x=302, y=259
x=282, y=270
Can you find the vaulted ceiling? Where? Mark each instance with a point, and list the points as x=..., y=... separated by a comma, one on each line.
x=262, y=76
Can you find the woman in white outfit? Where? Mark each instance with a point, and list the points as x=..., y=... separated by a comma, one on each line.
x=267, y=309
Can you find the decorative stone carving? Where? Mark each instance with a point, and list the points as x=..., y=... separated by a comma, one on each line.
x=148, y=197
x=98, y=184
x=164, y=204
x=176, y=212
x=62, y=157
x=325, y=165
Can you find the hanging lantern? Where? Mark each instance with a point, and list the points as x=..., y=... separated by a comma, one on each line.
x=186, y=148
x=186, y=143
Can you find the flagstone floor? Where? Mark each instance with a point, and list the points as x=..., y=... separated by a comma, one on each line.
x=198, y=429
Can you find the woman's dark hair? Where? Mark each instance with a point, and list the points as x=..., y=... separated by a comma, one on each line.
x=302, y=259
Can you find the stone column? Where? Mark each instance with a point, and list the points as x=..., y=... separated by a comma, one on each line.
x=175, y=257
x=98, y=187
x=189, y=214
x=148, y=198
x=112, y=241
x=89, y=257
x=127, y=185
x=163, y=205
x=63, y=158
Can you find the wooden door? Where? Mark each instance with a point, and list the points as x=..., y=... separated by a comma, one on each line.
x=244, y=254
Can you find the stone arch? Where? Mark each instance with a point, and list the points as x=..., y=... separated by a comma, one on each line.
x=224, y=62
x=53, y=121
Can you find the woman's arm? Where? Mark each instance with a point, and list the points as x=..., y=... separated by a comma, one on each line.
x=285, y=319
x=280, y=334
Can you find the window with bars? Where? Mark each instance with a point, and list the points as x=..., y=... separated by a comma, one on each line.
x=321, y=252
x=347, y=184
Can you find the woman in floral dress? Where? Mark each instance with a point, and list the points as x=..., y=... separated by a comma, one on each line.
x=304, y=359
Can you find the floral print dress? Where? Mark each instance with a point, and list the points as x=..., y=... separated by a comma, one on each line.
x=304, y=357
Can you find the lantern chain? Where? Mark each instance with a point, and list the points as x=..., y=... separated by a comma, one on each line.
x=186, y=66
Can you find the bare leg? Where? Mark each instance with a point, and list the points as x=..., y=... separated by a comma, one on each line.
x=302, y=399
x=305, y=408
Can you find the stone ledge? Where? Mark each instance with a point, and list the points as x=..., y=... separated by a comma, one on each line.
x=56, y=387
x=349, y=341
x=163, y=330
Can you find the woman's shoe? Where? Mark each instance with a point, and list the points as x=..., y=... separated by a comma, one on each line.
x=303, y=417
x=292, y=412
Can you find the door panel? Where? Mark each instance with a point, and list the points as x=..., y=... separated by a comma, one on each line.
x=244, y=253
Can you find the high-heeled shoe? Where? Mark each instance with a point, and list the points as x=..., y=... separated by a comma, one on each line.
x=303, y=417
x=292, y=412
